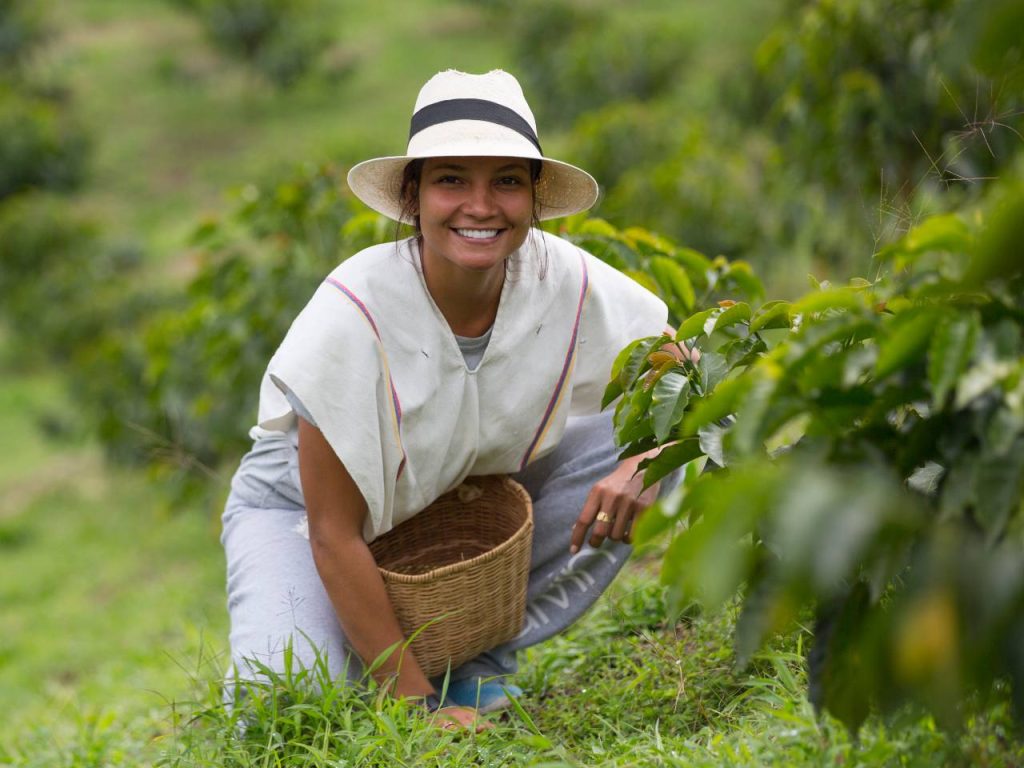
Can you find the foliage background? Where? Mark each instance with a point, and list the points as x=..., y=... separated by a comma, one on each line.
x=169, y=194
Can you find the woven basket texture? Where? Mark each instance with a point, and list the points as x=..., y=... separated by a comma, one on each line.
x=458, y=569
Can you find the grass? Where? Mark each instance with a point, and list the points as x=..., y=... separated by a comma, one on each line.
x=105, y=594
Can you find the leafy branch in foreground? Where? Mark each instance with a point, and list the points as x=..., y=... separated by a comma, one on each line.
x=872, y=436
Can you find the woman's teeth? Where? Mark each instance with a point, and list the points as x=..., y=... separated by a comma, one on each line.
x=478, y=234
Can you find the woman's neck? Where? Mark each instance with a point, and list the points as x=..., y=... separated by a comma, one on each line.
x=467, y=299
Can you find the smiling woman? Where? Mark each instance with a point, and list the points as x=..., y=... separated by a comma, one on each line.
x=417, y=365
x=472, y=214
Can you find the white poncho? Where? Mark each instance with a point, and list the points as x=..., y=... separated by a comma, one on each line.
x=381, y=373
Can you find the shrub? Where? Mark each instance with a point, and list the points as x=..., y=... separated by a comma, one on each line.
x=572, y=59
x=21, y=33
x=278, y=39
x=60, y=286
x=874, y=468
x=41, y=144
x=852, y=121
x=179, y=391
x=864, y=94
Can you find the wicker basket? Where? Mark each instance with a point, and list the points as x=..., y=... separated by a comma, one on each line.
x=462, y=564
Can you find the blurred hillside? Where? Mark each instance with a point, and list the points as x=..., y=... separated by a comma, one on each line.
x=175, y=123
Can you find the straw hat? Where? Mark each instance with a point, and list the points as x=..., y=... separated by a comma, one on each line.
x=463, y=115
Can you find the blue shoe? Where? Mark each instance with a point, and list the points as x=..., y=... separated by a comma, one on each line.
x=481, y=694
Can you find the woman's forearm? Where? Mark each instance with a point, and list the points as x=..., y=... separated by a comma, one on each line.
x=354, y=584
x=337, y=510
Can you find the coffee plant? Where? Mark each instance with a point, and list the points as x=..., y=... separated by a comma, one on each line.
x=868, y=442
x=279, y=40
x=178, y=392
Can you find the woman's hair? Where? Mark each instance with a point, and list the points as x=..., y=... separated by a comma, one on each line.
x=409, y=196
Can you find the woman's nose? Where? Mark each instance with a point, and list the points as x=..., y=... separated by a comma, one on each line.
x=480, y=201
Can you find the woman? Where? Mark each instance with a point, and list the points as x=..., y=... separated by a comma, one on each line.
x=479, y=346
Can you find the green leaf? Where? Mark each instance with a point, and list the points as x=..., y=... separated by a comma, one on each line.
x=774, y=314
x=950, y=351
x=723, y=401
x=821, y=301
x=737, y=313
x=957, y=491
x=997, y=489
x=906, y=339
x=622, y=359
x=711, y=558
x=744, y=351
x=668, y=402
x=669, y=459
x=694, y=325
x=696, y=264
x=634, y=422
x=746, y=433
x=712, y=368
x=644, y=239
x=674, y=280
x=665, y=512
x=998, y=252
x=597, y=226
x=711, y=438
x=742, y=276
x=842, y=668
x=634, y=362
x=611, y=391
x=947, y=232
x=765, y=610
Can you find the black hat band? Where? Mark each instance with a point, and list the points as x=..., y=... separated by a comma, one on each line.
x=472, y=109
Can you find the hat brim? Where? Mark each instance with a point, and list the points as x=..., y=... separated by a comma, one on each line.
x=562, y=189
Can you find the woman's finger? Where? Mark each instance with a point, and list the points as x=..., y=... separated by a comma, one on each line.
x=623, y=519
x=603, y=523
x=591, y=508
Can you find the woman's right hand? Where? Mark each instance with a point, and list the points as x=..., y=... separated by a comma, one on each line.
x=460, y=718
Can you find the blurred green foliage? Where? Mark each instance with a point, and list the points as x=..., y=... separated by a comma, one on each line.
x=41, y=143
x=60, y=288
x=870, y=94
x=53, y=272
x=849, y=122
x=21, y=32
x=872, y=435
x=571, y=59
x=179, y=390
x=278, y=39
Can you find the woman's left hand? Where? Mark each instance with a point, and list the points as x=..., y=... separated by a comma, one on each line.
x=613, y=506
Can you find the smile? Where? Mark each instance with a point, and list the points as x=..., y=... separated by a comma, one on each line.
x=478, y=234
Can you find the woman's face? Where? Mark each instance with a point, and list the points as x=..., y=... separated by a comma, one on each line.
x=474, y=211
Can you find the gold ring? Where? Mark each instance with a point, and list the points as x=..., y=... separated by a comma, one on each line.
x=603, y=518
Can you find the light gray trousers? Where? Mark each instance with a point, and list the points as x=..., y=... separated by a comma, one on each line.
x=275, y=595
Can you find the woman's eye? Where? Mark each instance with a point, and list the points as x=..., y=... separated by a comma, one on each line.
x=510, y=181
x=448, y=180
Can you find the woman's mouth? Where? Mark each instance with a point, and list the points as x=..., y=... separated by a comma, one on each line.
x=478, y=234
